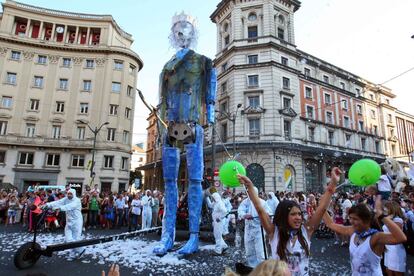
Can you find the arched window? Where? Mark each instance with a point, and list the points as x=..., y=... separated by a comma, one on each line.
x=289, y=176
x=256, y=173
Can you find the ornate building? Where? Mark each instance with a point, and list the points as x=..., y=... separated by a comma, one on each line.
x=300, y=115
x=62, y=73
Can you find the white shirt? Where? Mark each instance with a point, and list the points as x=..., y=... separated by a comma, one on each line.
x=345, y=205
x=384, y=184
x=136, y=207
x=364, y=261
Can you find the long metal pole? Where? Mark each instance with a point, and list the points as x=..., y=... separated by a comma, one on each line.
x=234, y=134
x=95, y=133
x=213, y=150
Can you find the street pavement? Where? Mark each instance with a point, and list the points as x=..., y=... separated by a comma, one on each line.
x=135, y=258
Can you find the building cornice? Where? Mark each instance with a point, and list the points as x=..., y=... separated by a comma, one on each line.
x=71, y=48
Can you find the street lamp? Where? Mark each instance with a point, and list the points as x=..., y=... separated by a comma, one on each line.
x=232, y=118
x=95, y=132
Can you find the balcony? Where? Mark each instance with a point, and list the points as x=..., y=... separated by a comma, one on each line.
x=46, y=142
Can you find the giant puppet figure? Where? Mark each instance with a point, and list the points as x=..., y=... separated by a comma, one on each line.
x=187, y=96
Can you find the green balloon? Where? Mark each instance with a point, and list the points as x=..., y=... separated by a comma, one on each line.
x=228, y=173
x=364, y=172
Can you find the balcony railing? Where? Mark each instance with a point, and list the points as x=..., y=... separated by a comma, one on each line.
x=41, y=141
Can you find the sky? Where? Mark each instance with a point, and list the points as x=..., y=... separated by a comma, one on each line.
x=369, y=38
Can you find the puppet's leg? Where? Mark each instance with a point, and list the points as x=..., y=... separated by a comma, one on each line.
x=195, y=167
x=170, y=165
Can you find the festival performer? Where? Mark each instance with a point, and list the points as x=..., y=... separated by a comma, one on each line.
x=229, y=207
x=367, y=244
x=72, y=206
x=272, y=202
x=289, y=235
x=147, y=204
x=253, y=239
x=218, y=215
x=187, y=96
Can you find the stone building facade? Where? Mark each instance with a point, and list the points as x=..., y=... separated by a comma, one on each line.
x=62, y=73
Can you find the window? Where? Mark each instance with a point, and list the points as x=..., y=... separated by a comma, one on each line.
x=34, y=104
x=3, y=127
x=41, y=59
x=344, y=104
x=226, y=40
x=80, y=133
x=287, y=103
x=26, y=158
x=118, y=65
x=393, y=151
x=363, y=143
x=223, y=107
x=38, y=81
x=285, y=83
x=358, y=92
x=87, y=85
x=11, y=78
x=284, y=61
x=287, y=130
x=129, y=90
x=371, y=96
x=377, y=147
x=15, y=55
x=308, y=92
x=387, y=101
x=311, y=134
x=56, y=132
x=2, y=157
x=113, y=109
x=281, y=33
x=359, y=109
x=329, y=117
x=6, y=102
x=52, y=159
x=389, y=118
x=307, y=72
x=361, y=125
x=116, y=87
x=30, y=130
x=66, y=62
x=127, y=112
x=90, y=63
x=63, y=84
x=373, y=114
x=124, y=163
x=327, y=98
x=254, y=101
x=60, y=107
x=342, y=85
x=223, y=132
x=253, y=59
x=331, y=137
x=309, y=112
x=108, y=161
x=125, y=137
x=252, y=32
x=252, y=17
x=375, y=130
x=391, y=132
x=84, y=108
x=253, y=81
x=78, y=160
x=224, y=67
x=347, y=140
x=254, y=127
x=326, y=78
x=131, y=69
x=111, y=134
x=346, y=122
x=224, y=87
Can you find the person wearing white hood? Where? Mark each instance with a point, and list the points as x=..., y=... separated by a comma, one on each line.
x=147, y=203
x=253, y=242
x=219, y=216
x=272, y=202
x=71, y=205
x=226, y=220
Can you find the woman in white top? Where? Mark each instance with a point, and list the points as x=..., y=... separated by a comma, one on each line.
x=367, y=244
x=289, y=234
x=395, y=255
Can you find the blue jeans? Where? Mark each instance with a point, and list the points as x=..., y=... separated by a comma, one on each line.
x=134, y=221
x=93, y=215
x=385, y=195
x=120, y=215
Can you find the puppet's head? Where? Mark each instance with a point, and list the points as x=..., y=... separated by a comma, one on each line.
x=183, y=31
x=394, y=170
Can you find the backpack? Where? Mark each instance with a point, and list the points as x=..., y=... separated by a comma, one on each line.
x=409, y=233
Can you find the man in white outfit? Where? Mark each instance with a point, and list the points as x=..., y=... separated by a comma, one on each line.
x=147, y=203
x=272, y=202
x=219, y=215
x=253, y=242
x=72, y=206
x=226, y=220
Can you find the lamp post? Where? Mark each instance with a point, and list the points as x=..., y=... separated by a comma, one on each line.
x=95, y=132
x=232, y=118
